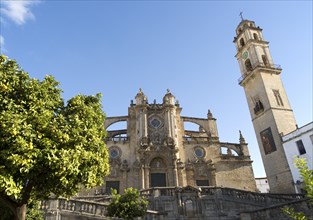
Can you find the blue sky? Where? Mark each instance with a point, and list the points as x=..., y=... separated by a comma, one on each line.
x=117, y=47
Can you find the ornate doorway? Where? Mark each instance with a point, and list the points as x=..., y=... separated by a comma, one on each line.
x=158, y=173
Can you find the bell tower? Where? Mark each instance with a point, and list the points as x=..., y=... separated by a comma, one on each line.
x=269, y=107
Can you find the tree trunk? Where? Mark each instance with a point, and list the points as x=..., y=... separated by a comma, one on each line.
x=20, y=212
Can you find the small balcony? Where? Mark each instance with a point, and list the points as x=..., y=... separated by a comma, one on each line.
x=256, y=66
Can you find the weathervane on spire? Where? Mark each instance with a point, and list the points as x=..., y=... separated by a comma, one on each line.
x=241, y=16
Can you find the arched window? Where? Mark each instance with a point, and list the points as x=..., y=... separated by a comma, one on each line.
x=242, y=42
x=248, y=65
x=255, y=36
x=228, y=151
x=194, y=132
x=191, y=126
x=117, y=126
x=117, y=131
x=278, y=97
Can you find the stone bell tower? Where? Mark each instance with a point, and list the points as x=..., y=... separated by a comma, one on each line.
x=269, y=107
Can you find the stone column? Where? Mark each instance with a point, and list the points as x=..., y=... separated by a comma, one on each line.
x=175, y=175
x=142, y=176
x=147, y=176
x=140, y=124
x=173, y=123
x=180, y=174
x=145, y=123
x=168, y=122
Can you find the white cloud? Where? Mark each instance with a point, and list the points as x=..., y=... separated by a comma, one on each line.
x=1, y=42
x=18, y=10
x=2, y=49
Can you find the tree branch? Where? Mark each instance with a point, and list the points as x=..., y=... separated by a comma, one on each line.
x=26, y=192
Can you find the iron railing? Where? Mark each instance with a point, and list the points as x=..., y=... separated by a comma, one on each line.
x=258, y=65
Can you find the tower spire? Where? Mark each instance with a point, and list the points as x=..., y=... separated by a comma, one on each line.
x=241, y=138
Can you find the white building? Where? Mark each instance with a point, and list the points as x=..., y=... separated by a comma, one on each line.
x=299, y=143
x=262, y=184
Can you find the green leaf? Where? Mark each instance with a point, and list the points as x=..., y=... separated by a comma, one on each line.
x=128, y=205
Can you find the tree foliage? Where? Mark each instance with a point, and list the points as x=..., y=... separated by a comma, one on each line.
x=33, y=211
x=289, y=211
x=46, y=146
x=307, y=177
x=128, y=205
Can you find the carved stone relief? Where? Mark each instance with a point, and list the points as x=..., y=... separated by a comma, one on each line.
x=156, y=130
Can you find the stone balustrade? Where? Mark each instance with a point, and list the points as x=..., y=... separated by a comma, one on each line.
x=205, y=202
x=225, y=192
x=259, y=199
x=158, y=191
x=266, y=198
x=62, y=206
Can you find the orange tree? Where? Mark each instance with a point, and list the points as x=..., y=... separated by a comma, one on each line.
x=46, y=146
x=128, y=205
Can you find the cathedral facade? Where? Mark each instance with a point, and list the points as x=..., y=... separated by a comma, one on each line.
x=192, y=174
x=155, y=150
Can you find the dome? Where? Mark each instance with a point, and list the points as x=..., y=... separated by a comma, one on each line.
x=169, y=98
x=141, y=98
